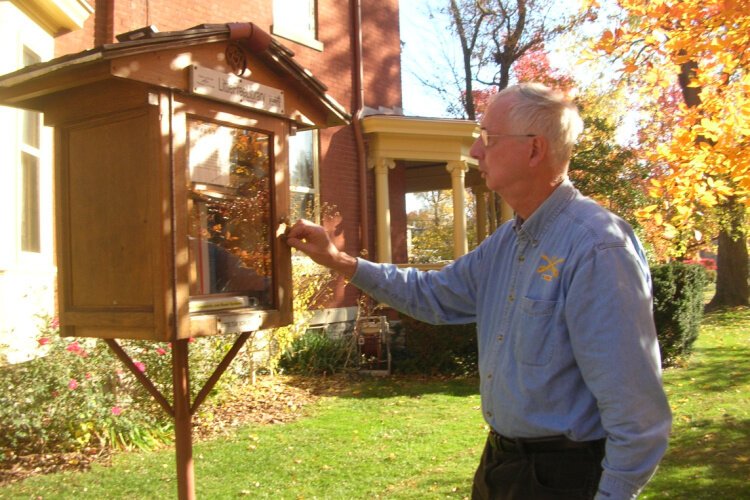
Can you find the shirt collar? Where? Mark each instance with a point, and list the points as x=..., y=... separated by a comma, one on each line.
x=535, y=226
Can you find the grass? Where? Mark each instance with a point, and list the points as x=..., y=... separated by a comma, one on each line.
x=383, y=438
x=413, y=439
x=709, y=454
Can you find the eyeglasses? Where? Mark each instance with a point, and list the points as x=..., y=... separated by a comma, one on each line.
x=486, y=137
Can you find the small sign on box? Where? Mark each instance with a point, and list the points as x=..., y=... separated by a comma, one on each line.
x=233, y=89
x=238, y=323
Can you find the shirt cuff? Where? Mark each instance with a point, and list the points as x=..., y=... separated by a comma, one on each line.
x=361, y=274
x=612, y=488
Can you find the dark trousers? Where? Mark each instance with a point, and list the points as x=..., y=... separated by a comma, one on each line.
x=509, y=471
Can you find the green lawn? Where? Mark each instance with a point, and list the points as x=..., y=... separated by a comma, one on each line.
x=709, y=455
x=406, y=438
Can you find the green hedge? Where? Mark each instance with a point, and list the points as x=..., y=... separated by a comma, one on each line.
x=452, y=349
x=437, y=349
x=678, y=308
x=315, y=353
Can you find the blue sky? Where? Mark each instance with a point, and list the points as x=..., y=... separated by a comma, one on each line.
x=421, y=52
x=427, y=45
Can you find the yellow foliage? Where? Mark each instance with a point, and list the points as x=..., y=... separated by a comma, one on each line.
x=698, y=148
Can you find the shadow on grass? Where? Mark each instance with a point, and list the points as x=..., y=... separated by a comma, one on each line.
x=726, y=368
x=707, y=460
x=359, y=386
x=726, y=317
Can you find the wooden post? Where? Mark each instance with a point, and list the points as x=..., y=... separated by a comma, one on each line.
x=183, y=422
x=182, y=411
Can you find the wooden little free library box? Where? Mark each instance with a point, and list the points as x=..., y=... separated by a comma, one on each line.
x=171, y=179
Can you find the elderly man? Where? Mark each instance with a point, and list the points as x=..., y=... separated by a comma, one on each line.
x=569, y=366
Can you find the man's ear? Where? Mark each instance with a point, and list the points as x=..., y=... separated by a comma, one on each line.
x=539, y=150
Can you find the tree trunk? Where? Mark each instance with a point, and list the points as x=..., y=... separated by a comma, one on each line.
x=732, y=288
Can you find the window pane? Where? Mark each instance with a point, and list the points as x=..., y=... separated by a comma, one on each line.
x=295, y=16
x=301, y=160
x=31, y=119
x=303, y=206
x=31, y=125
x=30, y=226
x=230, y=216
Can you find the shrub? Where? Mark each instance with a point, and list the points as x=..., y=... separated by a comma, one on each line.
x=708, y=264
x=315, y=353
x=437, y=349
x=311, y=287
x=678, y=308
x=70, y=398
x=77, y=395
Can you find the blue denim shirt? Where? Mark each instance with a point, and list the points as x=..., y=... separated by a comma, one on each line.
x=567, y=343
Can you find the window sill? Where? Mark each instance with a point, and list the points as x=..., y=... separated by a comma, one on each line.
x=300, y=38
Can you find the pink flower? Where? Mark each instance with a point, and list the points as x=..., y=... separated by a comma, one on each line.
x=116, y=410
x=141, y=367
x=55, y=323
x=73, y=384
x=75, y=348
x=88, y=376
x=43, y=341
x=160, y=351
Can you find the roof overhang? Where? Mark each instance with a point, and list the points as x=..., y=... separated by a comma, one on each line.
x=423, y=139
x=424, y=146
x=163, y=59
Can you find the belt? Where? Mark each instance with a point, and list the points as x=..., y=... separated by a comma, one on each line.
x=537, y=445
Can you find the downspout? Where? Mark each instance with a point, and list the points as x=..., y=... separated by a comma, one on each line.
x=359, y=103
x=105, y=15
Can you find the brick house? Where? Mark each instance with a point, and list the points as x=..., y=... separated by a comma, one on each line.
x=362, y=169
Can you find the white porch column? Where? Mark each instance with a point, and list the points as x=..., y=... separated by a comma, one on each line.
x=382, y=209
x=458, y=170
x=480, y=195
x=506, y=212
x=492, y=210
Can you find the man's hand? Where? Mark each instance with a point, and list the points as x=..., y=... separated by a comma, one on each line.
x=313, y=240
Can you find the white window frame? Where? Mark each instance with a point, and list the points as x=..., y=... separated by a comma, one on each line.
x=297, y=20
x=315, y=188
x=19, y=33
x=33, y=151
x=27, y=279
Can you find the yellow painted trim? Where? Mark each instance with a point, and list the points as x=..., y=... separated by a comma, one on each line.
x=422, y=139
x=56, y=16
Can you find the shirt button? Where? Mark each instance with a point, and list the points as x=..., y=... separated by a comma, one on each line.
x=489, y=376
x=521, y=258
x=500, y=338
x=511, y=297
x=489, y=414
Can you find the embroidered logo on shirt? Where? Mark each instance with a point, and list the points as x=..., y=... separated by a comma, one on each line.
x=549, y=270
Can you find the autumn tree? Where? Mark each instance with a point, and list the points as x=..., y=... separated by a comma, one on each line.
x=700, y=49
x=431, y=227
x=602, y=167
x=493, y=35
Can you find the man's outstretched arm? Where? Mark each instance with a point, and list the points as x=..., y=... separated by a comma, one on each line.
x=314, y=241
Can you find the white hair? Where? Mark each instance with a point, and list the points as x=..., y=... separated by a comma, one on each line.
x=540, y=110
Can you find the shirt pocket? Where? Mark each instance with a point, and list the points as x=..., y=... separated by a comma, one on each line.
x=537, y=339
